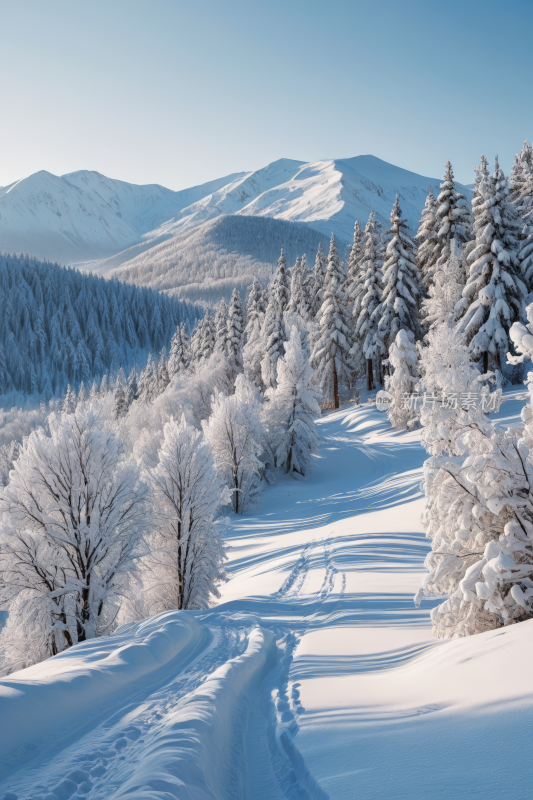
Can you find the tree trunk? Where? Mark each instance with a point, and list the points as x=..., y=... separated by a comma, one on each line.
x=335, y=385
x=369, y=381
x=485, y=362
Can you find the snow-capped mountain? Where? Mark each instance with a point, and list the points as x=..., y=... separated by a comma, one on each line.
x=326, y=195
x=84, y=216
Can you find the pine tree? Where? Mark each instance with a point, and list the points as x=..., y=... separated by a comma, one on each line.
x=280, y=286
x=354, y=263
x=367, y=297
x=179, y=351
x=121, y=406
x=299, y=302
x=221, y=328
x=235, y=329
x=494, y=294
x=69, y=402
x=401, y=284
x=132, y=392
x=426, y=238
x=403, y=359
x=454, y=220
x=293, y=408
x=148, y=381
x=331, y=357
x=271, y=342
x=522, y=166
x=255, y=314
x=317, y=280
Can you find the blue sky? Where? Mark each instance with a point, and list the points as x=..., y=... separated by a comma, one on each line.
x=179, y=93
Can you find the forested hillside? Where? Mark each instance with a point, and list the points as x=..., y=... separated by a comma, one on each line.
x=206, y=263
x=60, y=326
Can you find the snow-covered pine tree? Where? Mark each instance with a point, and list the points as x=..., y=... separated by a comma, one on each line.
x=132, y=392
x=280, y=286
x=493, y=297
x=444, y=293
x=318, y=278
x=292, y=410
x=235, y=329
x=234, y=434
x=121, y=405
x=299, y=302
x=403, y=359
x=454, y=221
x=522, y=165
x=179, y=351
x=367, y=297
x=185, y=564
x=352, y=283
x=331, y=357
x=481, y=174
x=221, y=328
x=255, y=314
x=69, y=402
x=82, y=393
x=207, y=347
x=426, y=239
x=163, y=378
x=74, y=514
x=148, y=381
x=402, y=292
x=271, y=342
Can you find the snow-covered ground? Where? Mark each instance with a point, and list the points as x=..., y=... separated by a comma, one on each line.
x=316, y=677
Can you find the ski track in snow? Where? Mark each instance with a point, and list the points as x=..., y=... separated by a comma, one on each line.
x=221, y=719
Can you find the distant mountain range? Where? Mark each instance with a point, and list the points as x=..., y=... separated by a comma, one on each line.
x=84, y=216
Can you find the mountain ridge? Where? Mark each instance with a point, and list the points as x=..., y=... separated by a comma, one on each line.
x=83, y=217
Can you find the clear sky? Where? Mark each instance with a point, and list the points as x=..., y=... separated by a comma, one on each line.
x=178, y=93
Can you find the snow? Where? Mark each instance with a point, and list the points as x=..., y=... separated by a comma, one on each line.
x=315, y=677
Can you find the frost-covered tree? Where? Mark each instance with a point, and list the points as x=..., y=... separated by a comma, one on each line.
x=402, y=292
x=185, y=564
x=293, y=409
x=271, y=342
x=74, y=515
x=403, y=359
x=318, y=278
x=235, y=329
x=454, y=392
x=426, y=239
x=280, y=286
x=331, y=357
x=493, y=297
x=444, y=293
x=179, y=357
x=234, y=434
x=255, y=306
x=367, y=297
x=521, y=169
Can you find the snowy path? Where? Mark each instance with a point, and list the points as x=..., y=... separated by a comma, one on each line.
x=315, y=677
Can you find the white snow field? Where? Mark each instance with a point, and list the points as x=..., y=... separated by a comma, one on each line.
x=316, y=677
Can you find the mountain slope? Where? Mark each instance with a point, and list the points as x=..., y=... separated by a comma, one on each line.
x=316, y=677
x=84, y=215
x=206, y=262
